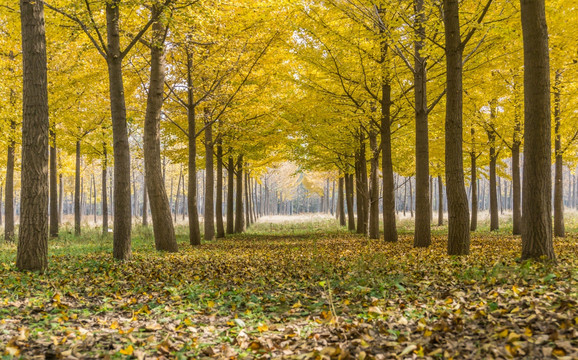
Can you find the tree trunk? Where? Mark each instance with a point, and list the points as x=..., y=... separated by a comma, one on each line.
x=104, y=197
x=349, y=201
x=145, y=210
x=341, y=202
x=121, y=150
x=53, y=188
x=219, y=206
x=194, y=227
x=494, y=217
x=77, y=209
x=474, y=170
x=178, y=196
x=374, y=187
x=9, y=200
x=209, y=182
x=389, y=226
x=537, y=181
x=230, y=196
x=359, y=198
x=559, y=175
x=247, y=201
x=440, y=201
x=60, y=198
x=32, y=253
x=458, y=209
x=239, y=220
x=422, y=236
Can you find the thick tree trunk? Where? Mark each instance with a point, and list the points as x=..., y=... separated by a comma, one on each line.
x=341, y=202
x=9, y=200
x=537, y=181
x=494, y=217
x=422, y=236
x=458, y=209
x=163, y=227
x=104, y=197
x=53, y=188
x=374, y=187
x=239, y=219
x=230, y=196
x=209, y=224
x=349, y=201
x=32, y=253
x=194, y=226
x=219, y=206
x=474, y=196
x=121, y=149
x=77, y=191
x=558, y=174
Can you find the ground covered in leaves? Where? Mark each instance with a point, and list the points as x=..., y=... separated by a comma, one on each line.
x=292, y=292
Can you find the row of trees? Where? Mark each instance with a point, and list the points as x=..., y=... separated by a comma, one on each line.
x=326, y=84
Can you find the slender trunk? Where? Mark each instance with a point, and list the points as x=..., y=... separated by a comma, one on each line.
x=239, y=220
x=60, y=198
x=360, y=195
x=194, y=227
x=178, y=197
x=349, y=201
x=474, y=197
x=121, y=149
x=247, y=202
x=230, y=196
x=104, y=197
x=53, y=188
x=341, y=202
x=219, y=206
x=9, y=200
x=77, y=210
x=537, y=181
x=145, y=210
x=32, y=253
x=374, y=187
x=389, y=226
x=558, y=175
x=422, y=236
x=411, y=197
x=209, y=182
x=458, y=209
x=440, y=201
x=93, y=199
x=494, y=217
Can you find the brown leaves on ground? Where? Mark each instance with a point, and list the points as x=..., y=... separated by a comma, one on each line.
x=332, y=296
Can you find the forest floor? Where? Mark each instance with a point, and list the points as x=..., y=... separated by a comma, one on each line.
x=294, y=290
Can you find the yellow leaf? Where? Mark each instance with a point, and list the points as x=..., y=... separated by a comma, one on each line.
x=12, y=350
x=262, y=328
x=211, y=304
x=528, y=332
x=503, y=333
x=114, y=325
x=558, y=352
x=297, y=305
x=128, y=351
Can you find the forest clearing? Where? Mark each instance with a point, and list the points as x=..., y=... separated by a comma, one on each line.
x=289, y=179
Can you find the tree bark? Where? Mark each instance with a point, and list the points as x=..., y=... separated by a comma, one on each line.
x=458, y=209
x=219, y=206
x=104, y=195
x=145, y=210
x=389, y=226
x=77, y=191
x=194, y=227
x=537, y=181
x=53, y=188
x=239, y=219
x=422, y=236
x=440, y=201
x=559, y=166
x=121, y=150
x=474, y=200
x=341, y=202
x=374, y=187
x=230, y=196
x=494, y=217
x=32, y=253
x=349, y=201
x=9, y=200
x=516, y=183
x=209, y=183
